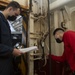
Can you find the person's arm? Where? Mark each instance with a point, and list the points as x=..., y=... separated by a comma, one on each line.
x=6, y=50
x=71, y=41
x=58, y=58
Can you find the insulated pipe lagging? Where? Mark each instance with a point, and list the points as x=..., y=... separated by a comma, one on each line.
x=59, y=3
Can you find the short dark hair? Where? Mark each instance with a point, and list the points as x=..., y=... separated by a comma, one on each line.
x=14, y=4
x=57, y=29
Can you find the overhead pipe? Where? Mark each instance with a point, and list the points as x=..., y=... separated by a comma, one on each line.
x=59, y=3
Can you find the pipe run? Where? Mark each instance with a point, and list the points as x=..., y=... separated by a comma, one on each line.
x=49, y=27
x=59, y=3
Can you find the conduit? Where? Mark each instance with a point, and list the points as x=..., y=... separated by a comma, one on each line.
x=59, y=3
x=49, y=27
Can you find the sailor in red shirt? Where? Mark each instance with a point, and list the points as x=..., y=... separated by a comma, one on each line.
x=68, y=38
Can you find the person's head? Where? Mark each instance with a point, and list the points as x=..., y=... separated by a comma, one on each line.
x=13, y=9
x=58, y=34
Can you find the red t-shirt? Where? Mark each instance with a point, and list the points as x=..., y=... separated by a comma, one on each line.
x=69, y=50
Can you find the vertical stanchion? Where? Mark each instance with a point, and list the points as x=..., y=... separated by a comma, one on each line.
x=24, y=34
x=49, y=36
x=30, y=7
x=24, y=42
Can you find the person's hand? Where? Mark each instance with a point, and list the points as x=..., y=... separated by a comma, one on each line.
x=16, y=52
